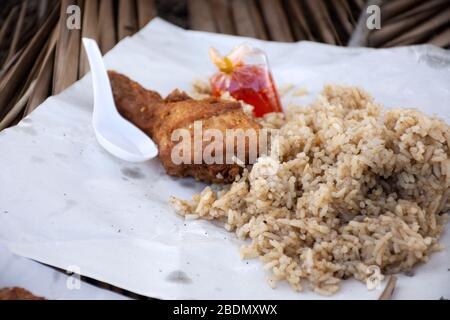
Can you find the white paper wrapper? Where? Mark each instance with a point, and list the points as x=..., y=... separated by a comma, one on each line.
x=66, y=202
x=47, y=282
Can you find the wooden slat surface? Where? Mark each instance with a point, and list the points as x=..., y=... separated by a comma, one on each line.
x=108, y=21
x=146, y=10
x=320, y=20
x=127, y=23
x=42, y=11
x=394, y=7
x=33, y=71
x=276, y=20
x=7, y=26
x=16, y=108
x=342, y=16
x=89, y=30
x=12, y=79
x=247, y=19
x=348, y=10
x=221, y=12
x=421, y=31
x=200, y=14
x=393, y=29
x=10, y=63
x=301, y=29
x=44, y=78
x=19, y=102
x=426, y=6
x=359, y=3
x=257, y=20
x=18, y=30
x=107, y=27
x=242, y=18
x=327, y=18
x=442, y=39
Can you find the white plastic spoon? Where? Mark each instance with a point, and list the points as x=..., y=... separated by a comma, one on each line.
x=114, y=133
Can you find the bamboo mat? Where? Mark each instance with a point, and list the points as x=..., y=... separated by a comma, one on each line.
x=40, y=56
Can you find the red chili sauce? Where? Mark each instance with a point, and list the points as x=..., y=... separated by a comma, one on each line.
x=252, y=84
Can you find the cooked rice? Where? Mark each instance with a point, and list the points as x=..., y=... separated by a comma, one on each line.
x=354, y=189
x=285, y=89
x=300, y=92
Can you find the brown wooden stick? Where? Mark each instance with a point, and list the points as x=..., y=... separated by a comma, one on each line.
x=89, y=30
x=43, y=86
x=422, y=30
x=242, y=19
x=348, y=10
x=442, y=39
x=18, y=30
x=107, y=26
x=320, y=21
x=12, y=79
x=61, y=47
x=6, y=67
x=390, y=31
x=42, y=10
x=361, y=4
x=257, y=20
x=34, y=70
x=146, y=12
x=276, y=21
x=301, y=28
x=360, y=36
x=326, y=16
x=17, y=108
x=247, y=19
x=67, y=52
x=342, y=16
x=44, y=78
x=392, y=8
x=221, y=10
x=429, y=5
x=127, y=21
x=389, y=290
x=200, y=15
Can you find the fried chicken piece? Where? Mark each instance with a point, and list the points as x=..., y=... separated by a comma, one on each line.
x=159, y=118
x=17, y=294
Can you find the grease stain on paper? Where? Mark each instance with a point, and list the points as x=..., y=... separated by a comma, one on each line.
x=179, y=277
x=28, y=130
x=70, y=204
x=409, y=273
x=133, y=173
x=37, y=160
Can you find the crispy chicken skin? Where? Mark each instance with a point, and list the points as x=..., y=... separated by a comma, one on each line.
x=17, y=294
x=159, y=118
